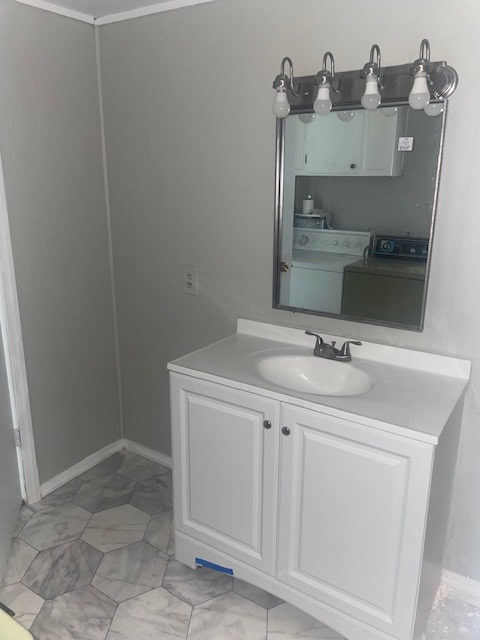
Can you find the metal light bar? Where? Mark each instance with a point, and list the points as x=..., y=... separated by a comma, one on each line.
x=396, y=86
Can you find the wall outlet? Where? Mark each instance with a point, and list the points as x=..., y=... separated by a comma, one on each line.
x=190, y=280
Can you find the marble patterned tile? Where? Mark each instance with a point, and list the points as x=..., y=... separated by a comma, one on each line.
x=288, y=623
x=104, y=493
x=155, y=495
x=61, y=524
x=138, y=469
x=220, y=612
x=63, y=494
x=63, y=568
x=159, y=532
x=107, y=467
x=115, y=528
x=195, y=585
x=256, y=595
x=453, y=619
x=84, y=614
x=23, y=517
x=23, y=602
x=151, y=616
x=130, y=571
x=20, y=558
x=229, y=616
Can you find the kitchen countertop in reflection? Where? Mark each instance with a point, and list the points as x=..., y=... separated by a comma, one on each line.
x=385, y=267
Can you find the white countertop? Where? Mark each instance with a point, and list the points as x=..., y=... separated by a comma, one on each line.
x=413, y=393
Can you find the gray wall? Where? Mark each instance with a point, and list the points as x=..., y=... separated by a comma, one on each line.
x=50, y=143
x=190, y=138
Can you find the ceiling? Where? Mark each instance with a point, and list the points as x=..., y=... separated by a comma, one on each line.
x=105, y=11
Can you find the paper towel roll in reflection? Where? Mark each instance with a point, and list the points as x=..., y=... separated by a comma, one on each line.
x=307, y=205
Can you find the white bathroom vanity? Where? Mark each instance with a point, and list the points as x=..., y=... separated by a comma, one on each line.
x=336, y=503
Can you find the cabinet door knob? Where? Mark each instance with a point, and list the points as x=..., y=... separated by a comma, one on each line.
x=285, y=431
x=353, y=165
x=267, y=424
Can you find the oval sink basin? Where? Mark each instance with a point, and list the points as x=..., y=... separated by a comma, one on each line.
x=310, y=374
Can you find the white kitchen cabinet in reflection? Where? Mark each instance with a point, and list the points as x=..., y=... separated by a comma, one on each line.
x=350, y=143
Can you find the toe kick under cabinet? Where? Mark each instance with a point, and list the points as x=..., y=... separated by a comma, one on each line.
x=324, y=512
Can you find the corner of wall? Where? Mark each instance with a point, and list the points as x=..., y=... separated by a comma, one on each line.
x=109, y=228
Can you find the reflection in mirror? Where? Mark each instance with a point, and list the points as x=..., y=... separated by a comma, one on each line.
x=356, y=211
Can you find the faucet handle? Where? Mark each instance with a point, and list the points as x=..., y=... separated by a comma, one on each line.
x=319, y=348
x=317, y=336
x=345, y=350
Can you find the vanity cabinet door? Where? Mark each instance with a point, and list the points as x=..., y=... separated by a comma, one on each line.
x=225, y=452
x=353, y=506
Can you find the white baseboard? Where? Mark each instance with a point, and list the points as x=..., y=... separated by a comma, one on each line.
x=93, y=459
x=464, y=588
x=148, y=453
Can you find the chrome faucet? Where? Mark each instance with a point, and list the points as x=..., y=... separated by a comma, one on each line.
x=324, y=350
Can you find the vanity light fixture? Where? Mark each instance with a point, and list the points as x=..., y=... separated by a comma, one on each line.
x=371, y=72
x=346, y=91
x=324, y=82
x=281, y=84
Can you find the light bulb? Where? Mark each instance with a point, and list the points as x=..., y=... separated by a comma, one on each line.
x=281, y=106
x=371, y=98
x=323, y=104
x=434, y=109
x=345, y=116
x=419, y=95
x=307, y=118
x=388, y=112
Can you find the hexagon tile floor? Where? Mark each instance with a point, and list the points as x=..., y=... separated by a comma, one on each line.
x=94, y=560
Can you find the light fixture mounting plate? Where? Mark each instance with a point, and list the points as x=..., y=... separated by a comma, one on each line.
x=443, y=81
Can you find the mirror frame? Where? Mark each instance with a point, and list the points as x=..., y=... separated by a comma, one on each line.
x=394, y=93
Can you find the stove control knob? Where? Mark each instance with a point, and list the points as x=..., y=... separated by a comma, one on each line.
x=302, y=240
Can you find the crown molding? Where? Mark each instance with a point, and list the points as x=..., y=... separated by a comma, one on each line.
x=159, y=7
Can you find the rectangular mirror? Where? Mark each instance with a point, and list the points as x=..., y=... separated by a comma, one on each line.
x=355, y=200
